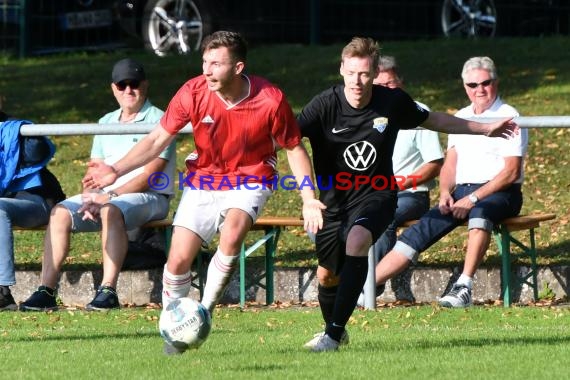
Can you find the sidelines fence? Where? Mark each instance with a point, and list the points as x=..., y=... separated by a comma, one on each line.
x=119, y=129
x=116, y=129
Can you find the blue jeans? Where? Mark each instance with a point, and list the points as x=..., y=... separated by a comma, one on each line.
x=411, y=206
x=484, y=215
x=24, y=210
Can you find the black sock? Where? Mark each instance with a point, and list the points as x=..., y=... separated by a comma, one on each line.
x=326, y=298
x=352, y=279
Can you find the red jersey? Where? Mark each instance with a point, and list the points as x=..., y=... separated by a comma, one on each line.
x=238, y=141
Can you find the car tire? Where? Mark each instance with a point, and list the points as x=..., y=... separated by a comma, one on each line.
x=166, y=30
x=468, y=18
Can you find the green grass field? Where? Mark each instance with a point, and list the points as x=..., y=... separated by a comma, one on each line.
x=390, y=343
x=534, y=74
x=266, y=343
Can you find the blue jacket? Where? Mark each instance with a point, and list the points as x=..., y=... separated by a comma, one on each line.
x=12, y=177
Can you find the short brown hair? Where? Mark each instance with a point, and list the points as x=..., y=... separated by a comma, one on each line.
x=362, y=47
x=233, y=41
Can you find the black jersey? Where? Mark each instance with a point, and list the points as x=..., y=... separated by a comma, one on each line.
x=352, y=148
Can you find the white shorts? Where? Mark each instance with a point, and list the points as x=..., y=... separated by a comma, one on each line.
x=204, y=211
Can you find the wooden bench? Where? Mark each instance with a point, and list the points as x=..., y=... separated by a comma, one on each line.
x=273, y=225
x=502, y=235
x=504, y=238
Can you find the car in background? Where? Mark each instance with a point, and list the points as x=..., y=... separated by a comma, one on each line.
x=178, y=26
x=46, y=26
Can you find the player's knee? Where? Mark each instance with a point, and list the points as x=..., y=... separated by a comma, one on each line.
x=327, y=278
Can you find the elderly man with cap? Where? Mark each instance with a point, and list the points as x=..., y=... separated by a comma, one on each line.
x=130, y=202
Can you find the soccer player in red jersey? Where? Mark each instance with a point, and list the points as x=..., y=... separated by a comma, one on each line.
x=238, y=121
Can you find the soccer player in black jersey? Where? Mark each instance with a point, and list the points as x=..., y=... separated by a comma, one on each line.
x=352, y=129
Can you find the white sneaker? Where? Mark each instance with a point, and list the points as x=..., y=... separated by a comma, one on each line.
x=360, y=301
x=344, y=340
x=325, y=343
x=458, y=296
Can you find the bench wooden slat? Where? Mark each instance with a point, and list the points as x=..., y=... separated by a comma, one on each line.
x=260, y=224
x=516, y=223
x=521, y=222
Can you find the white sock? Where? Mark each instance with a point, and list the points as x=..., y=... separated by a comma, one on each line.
x=465, y=280
x=219, y=272
x=175, y=286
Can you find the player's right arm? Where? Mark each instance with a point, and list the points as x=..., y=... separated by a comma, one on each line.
x=147, y=149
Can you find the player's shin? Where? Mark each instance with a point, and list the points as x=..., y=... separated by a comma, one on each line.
x=175, y=286
x=219, y=272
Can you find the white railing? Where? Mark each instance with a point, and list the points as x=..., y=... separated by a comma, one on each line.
x=89, y=129
x=118, y=129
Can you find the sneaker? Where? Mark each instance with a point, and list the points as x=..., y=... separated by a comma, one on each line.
x=379, y=290
x=6, y=300
x=105, y=299
x=344, y=340
x=458, y=296
x=170, y=349
x=42, y=299
x=325, y=343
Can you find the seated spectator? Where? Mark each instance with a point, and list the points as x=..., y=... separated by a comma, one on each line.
x=28, y=191
x=126, y=205
x=418, y=158
x=480, y=183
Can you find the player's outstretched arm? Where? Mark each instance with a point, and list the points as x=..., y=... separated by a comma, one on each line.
x=100, y=174
x=442, y=122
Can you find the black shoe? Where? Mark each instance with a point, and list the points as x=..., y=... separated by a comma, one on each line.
x=6, y=300
x=42, y=299
x=105, y=299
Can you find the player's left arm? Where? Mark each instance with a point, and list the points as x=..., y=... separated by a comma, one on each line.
x=300, y=165
x=442, y=122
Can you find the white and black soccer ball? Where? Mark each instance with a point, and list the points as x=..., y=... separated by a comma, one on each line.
x=185, y=323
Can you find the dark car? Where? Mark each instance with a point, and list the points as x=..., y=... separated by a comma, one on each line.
x=168, y=26
x=178, y=26
x=45, y=26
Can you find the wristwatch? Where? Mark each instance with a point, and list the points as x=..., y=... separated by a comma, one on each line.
x=473, y=198
x=112, y=194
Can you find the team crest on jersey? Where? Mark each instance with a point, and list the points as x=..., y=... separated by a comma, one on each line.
x=380, y=124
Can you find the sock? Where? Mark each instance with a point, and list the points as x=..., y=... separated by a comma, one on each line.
x=352, y=279
x=465, y=280
x=326, y=298
x=219, y=272
x=174, y=286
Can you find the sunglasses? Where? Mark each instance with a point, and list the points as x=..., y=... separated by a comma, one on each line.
x=133, y=84
x=485, y=83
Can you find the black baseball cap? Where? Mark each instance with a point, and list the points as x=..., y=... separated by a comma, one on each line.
x=127, y=69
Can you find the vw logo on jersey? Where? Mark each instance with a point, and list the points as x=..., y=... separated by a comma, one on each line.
x=360, y=155
x=380, y=124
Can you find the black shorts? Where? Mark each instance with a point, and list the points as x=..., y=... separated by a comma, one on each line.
x=375, y=213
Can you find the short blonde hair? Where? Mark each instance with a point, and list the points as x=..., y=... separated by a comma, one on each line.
x=362, y=47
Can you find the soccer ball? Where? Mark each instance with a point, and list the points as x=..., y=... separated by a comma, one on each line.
x=185, y=323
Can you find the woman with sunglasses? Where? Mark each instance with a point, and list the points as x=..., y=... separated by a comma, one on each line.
x=480, y=183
